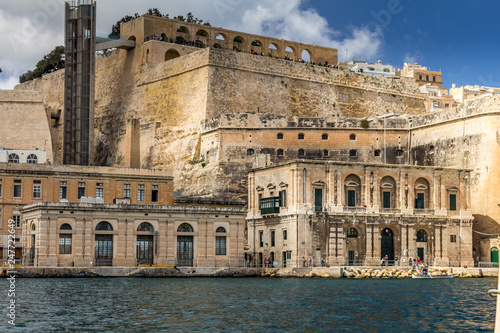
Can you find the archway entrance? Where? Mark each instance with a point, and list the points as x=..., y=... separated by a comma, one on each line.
x=387, y=244
x=185, y=251
x=494, y=256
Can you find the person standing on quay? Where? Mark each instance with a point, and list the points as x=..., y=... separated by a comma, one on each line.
x=303, y=261
x=310, y=261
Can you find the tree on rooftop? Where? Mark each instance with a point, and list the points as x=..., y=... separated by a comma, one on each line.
x=50, y=62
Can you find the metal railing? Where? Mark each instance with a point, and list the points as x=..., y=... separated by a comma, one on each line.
x=487, y=264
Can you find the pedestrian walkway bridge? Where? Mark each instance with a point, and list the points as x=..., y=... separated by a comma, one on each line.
x=104, y=42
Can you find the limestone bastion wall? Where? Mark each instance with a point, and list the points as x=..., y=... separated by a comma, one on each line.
x=468, y=138
x=23, y=123
x=241, y=82
x=175, y=99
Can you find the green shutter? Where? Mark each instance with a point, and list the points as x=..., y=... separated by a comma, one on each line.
x=387, y=200
x=351, y=198
x=318, y=199
x=453, y=202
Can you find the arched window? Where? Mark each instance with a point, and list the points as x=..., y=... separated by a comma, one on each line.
x=280, y=136
x=301, y=136
x=324, y=137
x=145, y=226
x=250, y=152
x=352, y=137
x=302, y=153
x=280, y=152
x=220, y=229
x=171, y=54
x=306, y=55
x=104, y=226
x=421, y=236
x=13, y=158
x=65, y=239
x=185, y=227
x=353, y=153
x=352, y=233
x=386, y=232
x=183, y=30
x=32, y=159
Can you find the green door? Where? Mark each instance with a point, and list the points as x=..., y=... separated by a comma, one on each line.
x=419, y=201
x=420, y=253
x=494, y=256
x=387, y=200
x=387, y=244
x=351, y=198
x=351, y=258
x=318, y=200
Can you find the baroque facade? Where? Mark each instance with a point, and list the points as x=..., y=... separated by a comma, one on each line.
x=356, y=213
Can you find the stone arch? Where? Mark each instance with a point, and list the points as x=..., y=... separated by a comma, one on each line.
x=164, y=37
x=171, y=54
x=422, y=193
x=202, y=33
x=306, y=55
x=273, y=50
x=256, y=46
x=290, y=52
x=352, y=190
x=238, y=43
x=180, y=40
x=220, y=41
x=132, y=38
x=183, y=30
x=388, y=197
x=199, y=43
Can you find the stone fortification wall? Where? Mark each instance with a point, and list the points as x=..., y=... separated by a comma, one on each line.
x=248, y=83
x=23, y=123
x=469, y=139
x=180, y=99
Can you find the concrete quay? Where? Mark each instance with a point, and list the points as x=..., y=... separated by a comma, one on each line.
x=302, y=272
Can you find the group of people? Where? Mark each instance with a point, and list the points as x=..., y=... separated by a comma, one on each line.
x=385, y=261
x=268, y=262
x=305, y=262
x=177, y=41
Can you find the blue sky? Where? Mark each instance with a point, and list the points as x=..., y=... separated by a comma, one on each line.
x=457, y=37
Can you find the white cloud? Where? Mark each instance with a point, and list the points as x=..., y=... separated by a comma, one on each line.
x=409, y=58
x=32, y=28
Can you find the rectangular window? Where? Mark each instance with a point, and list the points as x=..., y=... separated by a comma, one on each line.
x=140, y=195
x=141, y=186
x=282, y=195
x=0, y=190
x=100, y=185
x=273, y=238
x=351, y=198
x=17, y=220
x=17, y=188
x=126, y=193
x=65, y=244
x=318, y=200
x=81, y=192
x=220, y=245
x=81, y=184
x=63, y=192
x=154, y=195
x=453, y=202
x=99, y=192
x=261, y=238
x=387, y=200
x=285, y=235
x=453, y=238
x=420, y=201
x=37, y=191
x=126, y=185
x=427, y=78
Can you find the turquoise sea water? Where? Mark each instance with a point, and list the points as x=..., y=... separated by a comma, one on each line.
x=250, y=305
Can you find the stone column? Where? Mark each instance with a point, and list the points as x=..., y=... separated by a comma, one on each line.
x=53, y=246
x=88, y=236
x=171, y=242
x=120, y=243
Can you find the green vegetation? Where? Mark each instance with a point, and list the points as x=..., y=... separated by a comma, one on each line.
x=50, y=63
x=115, y=30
